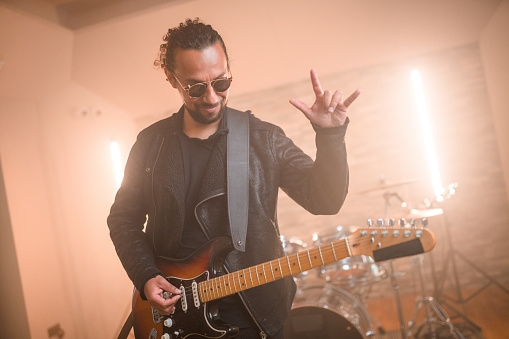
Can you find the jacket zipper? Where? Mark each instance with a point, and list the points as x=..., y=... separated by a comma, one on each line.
x=153, y=197
x=262, y=333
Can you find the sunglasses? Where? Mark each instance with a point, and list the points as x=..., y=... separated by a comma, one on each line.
x=197, y=90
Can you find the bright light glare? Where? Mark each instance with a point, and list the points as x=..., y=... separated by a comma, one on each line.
x=117, y=165
x=426, y=131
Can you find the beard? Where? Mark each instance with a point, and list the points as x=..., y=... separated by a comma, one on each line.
x=204, y=120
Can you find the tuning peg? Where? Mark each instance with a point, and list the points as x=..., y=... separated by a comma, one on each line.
x=390, y=222
x=380, y=222
x=424, y=222
x=402, y=222
x=412, y=222
x=370, y=222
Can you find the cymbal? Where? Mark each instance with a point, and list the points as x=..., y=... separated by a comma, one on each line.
x=386, y=185
x=424, y=213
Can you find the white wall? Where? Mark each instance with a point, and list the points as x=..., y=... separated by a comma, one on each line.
x=494, y=45
x=60, y=183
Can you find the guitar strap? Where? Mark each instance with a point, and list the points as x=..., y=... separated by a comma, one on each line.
x=237, y=174
x=126, y=329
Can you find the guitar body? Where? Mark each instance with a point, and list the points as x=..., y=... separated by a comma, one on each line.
x=190, y=319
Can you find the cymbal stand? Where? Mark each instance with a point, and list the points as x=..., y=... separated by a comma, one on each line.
x=439, y=286
x=392, y=266
x=394, y=282
x=435, y=316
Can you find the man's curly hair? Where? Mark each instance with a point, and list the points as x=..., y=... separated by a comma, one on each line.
x=191, y=34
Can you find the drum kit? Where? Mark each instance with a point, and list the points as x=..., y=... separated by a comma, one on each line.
x=330, y=301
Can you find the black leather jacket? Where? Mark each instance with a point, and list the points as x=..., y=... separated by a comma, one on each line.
x=153, y=186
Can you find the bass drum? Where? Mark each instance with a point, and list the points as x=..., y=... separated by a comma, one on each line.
x=327, y=311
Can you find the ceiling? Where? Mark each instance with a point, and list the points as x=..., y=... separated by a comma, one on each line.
x=75, y=14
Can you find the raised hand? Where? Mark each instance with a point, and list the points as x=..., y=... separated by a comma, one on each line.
x=328, y=110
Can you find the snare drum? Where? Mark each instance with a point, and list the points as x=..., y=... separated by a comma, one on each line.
x=327, y=312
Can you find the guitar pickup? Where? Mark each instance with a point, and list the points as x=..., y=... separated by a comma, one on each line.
x=196, y=297
x=183, y=298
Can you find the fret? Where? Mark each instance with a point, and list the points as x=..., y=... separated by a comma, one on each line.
x=240, y=282
x=245, y=282
x=309, y=257
x=217, y=285
x=280, y=270
x=223, y=289
x=228, y=283
x=211, y=290
x=264, y=273
x=272, y=271
x=200, y=292
x=251, y=277
x=234, y=285
x=321, y=256
x=333, y=251
x=298, y=260
x=289, y=265
x=214, y=286
x=348, y=247
x=257, y=277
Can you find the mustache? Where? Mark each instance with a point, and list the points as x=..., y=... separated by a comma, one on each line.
x=205, y=105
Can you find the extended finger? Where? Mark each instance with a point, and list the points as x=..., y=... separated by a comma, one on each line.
x=317, y=87
x=352, y=98
x=300, y=106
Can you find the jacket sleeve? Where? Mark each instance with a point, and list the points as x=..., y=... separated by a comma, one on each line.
x=126, y=222
x=320, y=186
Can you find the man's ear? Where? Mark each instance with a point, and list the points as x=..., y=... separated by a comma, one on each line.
x=170, y=78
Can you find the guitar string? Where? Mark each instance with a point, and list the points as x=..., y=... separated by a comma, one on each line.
x=327, y=249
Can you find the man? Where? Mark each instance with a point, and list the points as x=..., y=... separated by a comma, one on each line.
x=176, y=175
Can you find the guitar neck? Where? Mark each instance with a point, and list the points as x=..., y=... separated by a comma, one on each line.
x=273, y=270
x=378, y=243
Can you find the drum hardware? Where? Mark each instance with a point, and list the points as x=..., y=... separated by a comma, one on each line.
x=450, y=260
x=393, y=275
x=383, y=186
x=390, y=223
x=433, y=309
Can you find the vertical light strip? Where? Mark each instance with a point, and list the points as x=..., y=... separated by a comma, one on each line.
x=427, y=135
x=117, y=165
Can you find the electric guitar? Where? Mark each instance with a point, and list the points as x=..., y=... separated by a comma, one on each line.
x=200, y=280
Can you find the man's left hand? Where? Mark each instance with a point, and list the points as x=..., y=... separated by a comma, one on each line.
x=328, y=110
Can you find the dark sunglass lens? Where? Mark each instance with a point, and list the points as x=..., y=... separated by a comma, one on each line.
x=197, y=90
x=221, y=85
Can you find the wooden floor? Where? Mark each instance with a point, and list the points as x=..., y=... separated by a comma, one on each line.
x=489, y=310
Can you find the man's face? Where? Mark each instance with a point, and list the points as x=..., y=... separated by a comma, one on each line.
x=192, y=67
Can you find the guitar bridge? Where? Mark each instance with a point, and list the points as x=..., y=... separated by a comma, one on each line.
x=156, y=316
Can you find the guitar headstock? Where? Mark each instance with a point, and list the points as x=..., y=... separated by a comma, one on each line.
x=392, y=241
